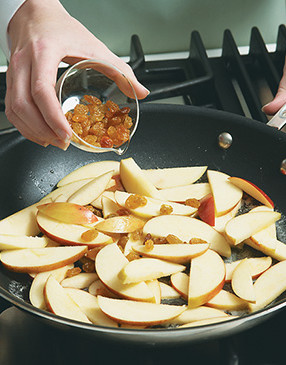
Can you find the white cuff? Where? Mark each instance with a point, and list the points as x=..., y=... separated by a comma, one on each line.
x=7, y=9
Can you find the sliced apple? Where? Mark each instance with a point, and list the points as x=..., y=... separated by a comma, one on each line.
x=97, y=203
x=132, y=242
x=168, y=292
x=64, y=192
x=208, y=321
x=69, y=234
x=207, y=276
x=90, y=170
x=227, y=301
x=108, y=263
x=12, y=242
x=58, y=302
x=155, y=288
x=220, y=222
x=147, y=269
x=174, y=176
x=241, y=282
x=186, y=228
x=92, y=190
x=269, y=286
x=135, y=181
x=98, y=288
x=138, y=313
x=109, y=207
x=246, y=225
x=269, y=246
x=89, y=306
x=269, y=231
x=23, y=222
x=257, y=265
x=180, y=282
x=36, y=293
x=153, y=206
x=252, y=190
x=197, y=314
x=182, y=193
x=68, y=213
x=226, y=195
x=79, y=281
x=180, y=253
x=206, y=210
x=41, y=259
x=120, y=224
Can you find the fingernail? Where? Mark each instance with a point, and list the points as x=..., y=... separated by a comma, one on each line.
x=63, y=135
x=145, y=88
x=60, y=144
x=264, y=106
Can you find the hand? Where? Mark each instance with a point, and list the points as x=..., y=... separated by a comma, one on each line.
x=280, y=97
x=42, y=35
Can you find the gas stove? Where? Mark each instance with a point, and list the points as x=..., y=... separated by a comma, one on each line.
x=238, y=80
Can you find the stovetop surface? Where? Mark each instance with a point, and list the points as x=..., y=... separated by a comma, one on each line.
x=24, y=339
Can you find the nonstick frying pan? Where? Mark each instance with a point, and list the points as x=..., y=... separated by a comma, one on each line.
x=167, y=136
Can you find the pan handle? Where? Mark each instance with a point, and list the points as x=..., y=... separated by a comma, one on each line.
x=279, y=119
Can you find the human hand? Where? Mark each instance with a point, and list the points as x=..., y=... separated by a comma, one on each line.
x=42, y=35
x=280, y=97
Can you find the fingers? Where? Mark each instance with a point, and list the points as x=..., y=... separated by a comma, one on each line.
x=43, y=79
x=24, y=103
x=279, y=99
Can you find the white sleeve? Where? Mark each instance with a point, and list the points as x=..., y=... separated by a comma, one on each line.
x=7, y=9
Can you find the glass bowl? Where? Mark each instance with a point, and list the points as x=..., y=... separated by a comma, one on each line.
x=88, y=77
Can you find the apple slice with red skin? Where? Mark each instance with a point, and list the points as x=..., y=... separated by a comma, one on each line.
x=120, y=224
x=226, y=195
x=41, y=259
x=228, y=301
x=180, y=253
x=138, y=313
x=108, y=263
x=68, y=213
x=269, y=286
x=187, y=228
x=79, y=281
x=257, y=265
x=90, y=170
x=69, y=234
x=60, y=303
x=206, y=210
x=181, y=193
x=252, y=190
x=241, y=282
x=207, y=277
x=197, y=314
x=180, y=282
x=246, y=225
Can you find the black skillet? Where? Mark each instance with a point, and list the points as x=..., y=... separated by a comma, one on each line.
x=167, y=136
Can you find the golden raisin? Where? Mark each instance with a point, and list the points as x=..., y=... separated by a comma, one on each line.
x=89, y=235
x=77, y=128
x=72, y=272
x=194, y=203
x=149, y=245
x=166, y=209
x=127, y=122
x=172, y=239
x=91, y=140
x=88, y=266
x=92, y=99
x=106, y=142
x=159, y=240
x=94, y=210
x=135, y=201
x=197, y=240
x=132, y=256
x=123, y=211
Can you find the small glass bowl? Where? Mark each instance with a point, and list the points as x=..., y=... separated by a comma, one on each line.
x=88, y=77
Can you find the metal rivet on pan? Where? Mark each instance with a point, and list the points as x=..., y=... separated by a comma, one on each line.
x=225, y=140
x=283, y=167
